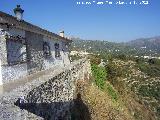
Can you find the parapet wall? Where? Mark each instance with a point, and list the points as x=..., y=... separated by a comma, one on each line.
x=48, y=97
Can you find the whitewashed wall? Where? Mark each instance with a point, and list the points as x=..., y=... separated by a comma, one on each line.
x=52, y=61
x=10, y=73
x=65, y=54
x=0, y=74
x=16, y=32
x=16, y=51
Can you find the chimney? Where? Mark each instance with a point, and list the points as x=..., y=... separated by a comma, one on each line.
x=61, y=33
x=18, y=12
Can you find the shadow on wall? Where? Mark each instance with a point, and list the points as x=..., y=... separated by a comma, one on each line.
x=58, y=110
x=80, y=111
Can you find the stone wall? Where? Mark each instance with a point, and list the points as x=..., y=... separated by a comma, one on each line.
x=10, y=73
x=3, y=51
x=0, y=74
x=11, y=53
x=15, y=71
x=35, y=36
x=65, y=52
x=63, y=60
x=52, y=61
x=35, y=58
x=49, y=96
x=34, y=52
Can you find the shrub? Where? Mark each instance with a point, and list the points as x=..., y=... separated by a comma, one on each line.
x=158, y=110
x=95, y=59
x=99, y=74
x=151, y=69
x=150, y=91
x=111, y=92
x=75, y=57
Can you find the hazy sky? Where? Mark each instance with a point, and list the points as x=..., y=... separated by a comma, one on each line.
x=103, y=22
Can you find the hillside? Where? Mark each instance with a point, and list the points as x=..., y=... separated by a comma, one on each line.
x=97, y=46
x=94, y=104
x=141, y=81
x=152, y=44
x=131, y=82
x=140, y=47
x=117, y=91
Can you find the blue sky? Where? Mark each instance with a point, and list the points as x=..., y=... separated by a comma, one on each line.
x=98, y=22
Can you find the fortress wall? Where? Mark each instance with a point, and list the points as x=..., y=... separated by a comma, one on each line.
x=47, y=97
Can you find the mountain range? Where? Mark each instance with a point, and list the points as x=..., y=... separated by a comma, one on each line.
x=140, y=47
x=146, y=43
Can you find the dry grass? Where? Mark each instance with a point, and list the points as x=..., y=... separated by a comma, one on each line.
x=100, y=105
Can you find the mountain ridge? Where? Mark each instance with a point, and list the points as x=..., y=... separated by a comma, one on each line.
x=142, y=46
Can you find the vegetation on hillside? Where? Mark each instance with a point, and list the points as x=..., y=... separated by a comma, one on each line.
x=137, y=75
x=149, y=66
x=120, y=90
x=105, y=47
x=74, y=57
x=127, y=76
x=99, y=74
x=124, y=73
x=98, y=105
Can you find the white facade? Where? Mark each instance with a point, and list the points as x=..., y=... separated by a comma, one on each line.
x=22, y=45
x=0, y=74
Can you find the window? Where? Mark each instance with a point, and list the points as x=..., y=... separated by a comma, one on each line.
x=57, y=50
x=65, y=47
x=16, y=52
x=46, y=50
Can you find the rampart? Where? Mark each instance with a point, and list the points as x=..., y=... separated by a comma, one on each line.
x=48, y=95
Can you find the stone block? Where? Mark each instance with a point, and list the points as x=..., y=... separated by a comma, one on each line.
x=0, y=74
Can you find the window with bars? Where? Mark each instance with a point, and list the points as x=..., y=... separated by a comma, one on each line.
x=46, y=50
x=57, y=50
x=16, y=52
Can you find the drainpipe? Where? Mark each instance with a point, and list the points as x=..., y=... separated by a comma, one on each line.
x=0, y=74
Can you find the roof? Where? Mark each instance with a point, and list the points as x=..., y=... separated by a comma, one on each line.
x=28, y=26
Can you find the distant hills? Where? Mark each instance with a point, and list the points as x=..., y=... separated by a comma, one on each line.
x=141, y=47
x=152, y=44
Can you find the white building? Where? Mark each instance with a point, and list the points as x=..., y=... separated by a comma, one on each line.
x=27, y=49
